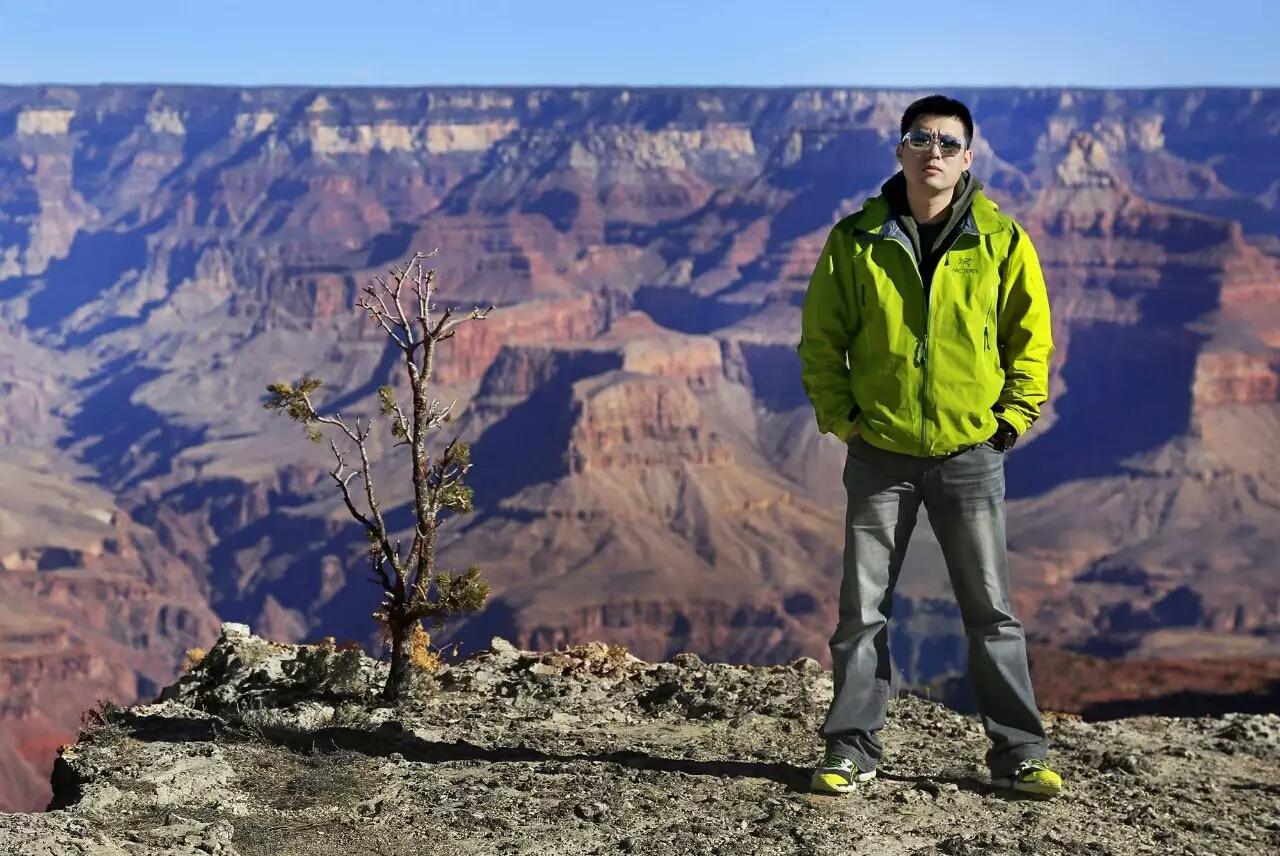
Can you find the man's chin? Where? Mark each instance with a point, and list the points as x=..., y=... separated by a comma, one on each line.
x=934, y=181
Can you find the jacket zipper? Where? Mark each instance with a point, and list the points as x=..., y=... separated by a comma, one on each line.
x=990, y=324
x=924, y=342
x=922, y=348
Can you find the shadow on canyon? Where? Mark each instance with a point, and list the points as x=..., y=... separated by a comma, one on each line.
x=1122, y=398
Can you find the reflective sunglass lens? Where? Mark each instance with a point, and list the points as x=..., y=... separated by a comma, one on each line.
x=923, y=142
x=919, y=140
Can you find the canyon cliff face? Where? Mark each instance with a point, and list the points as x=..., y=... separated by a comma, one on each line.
x=647, y=468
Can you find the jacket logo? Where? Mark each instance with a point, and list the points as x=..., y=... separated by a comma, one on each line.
x=965, y=265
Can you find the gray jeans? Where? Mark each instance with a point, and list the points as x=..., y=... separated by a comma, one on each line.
x=964, y=493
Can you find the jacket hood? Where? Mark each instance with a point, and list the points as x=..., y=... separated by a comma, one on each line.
x=894, y=191
x=878, y=212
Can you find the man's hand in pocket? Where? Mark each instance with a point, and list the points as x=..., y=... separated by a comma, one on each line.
x=1004, y=437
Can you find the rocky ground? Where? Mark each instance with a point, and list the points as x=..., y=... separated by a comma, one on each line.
x=275, y=750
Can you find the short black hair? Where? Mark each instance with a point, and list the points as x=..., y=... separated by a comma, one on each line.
x=938, y=105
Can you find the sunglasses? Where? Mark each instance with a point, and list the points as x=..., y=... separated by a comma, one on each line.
x=922, y=141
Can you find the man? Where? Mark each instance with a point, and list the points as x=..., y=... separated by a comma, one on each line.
x=936, y=301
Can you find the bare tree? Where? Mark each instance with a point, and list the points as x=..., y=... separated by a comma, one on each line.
x=412, y=588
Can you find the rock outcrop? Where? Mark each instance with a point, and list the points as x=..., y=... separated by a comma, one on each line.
x=273, y=749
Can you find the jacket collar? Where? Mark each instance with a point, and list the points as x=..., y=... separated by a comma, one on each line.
x=876, y=216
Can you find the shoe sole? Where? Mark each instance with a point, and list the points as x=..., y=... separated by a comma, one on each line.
x=829, y=783
x=1038, y=789
x=1042, y=790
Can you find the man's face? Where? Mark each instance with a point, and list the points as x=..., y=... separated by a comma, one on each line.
x=929, y=168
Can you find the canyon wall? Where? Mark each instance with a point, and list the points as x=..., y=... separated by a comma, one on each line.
x=647, y=470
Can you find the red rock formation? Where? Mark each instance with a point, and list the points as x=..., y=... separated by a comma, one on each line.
x=624, y=419
x=473, y=348
x=650, y=476
x=91, y=606
x=1229, y=377
x=44, y=684
x=1076, y=683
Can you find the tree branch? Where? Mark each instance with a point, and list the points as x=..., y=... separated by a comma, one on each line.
x=381, y=315
x=378, y=526
x=400, y=278
x=476, y=314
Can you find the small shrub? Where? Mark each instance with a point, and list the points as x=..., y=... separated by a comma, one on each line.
x=421, y=657
x=258, y=725
x=193, y=658
x=101, y=721
x=325, y=667
x=350, y=715
x=345, y=674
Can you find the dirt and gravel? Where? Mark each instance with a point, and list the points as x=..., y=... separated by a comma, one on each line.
x=276, y=750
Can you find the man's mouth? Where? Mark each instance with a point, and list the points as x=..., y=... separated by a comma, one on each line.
x=932, y=169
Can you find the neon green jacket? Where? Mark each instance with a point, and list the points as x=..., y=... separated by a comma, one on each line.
x=925, y=377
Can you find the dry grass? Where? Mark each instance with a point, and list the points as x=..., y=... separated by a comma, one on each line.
x=101, y=723
x=193, y=658
x=421, y=657
x=309, y=804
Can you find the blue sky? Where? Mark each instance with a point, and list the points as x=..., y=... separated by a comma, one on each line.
x=652, y=42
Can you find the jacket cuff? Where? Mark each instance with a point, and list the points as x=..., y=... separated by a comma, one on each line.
x=1012, y=418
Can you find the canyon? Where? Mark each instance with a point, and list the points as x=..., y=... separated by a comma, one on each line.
x=647, y=470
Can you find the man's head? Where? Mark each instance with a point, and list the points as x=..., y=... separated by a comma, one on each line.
x=942, y=120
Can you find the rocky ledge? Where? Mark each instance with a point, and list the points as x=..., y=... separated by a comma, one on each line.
x=264, y=748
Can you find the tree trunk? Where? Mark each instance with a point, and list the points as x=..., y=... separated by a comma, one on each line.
x=398, y=676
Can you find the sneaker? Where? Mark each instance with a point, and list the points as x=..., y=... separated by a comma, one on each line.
x=838, y=775
x=1032, y=776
